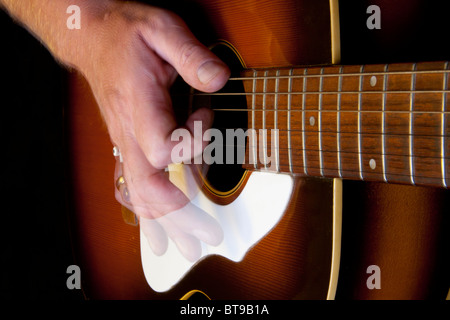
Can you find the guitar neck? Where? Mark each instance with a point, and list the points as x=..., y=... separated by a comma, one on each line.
x=371, y=122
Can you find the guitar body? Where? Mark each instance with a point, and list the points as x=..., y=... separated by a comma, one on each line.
x=299, y=258
x=292, y=261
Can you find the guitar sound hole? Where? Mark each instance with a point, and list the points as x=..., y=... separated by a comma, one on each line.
x=221, y=176
x=225, y=176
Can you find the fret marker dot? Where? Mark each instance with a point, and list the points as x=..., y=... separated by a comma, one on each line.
x=373, y=81
x=312, y=120
x=372, y=164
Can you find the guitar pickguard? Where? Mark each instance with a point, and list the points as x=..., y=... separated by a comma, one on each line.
x=244, y=222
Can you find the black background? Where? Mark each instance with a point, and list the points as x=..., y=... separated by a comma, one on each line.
x=35, y=247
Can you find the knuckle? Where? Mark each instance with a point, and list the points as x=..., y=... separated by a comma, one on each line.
x=157, y=159
x=187, y=52
x=158, y=20
x=142, y=197
x=154, y=152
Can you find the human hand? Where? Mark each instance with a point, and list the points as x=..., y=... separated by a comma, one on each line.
x=137, y=53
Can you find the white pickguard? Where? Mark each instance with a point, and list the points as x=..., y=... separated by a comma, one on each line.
x=244, y=222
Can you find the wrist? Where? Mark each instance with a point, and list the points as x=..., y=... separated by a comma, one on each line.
x=74, y=45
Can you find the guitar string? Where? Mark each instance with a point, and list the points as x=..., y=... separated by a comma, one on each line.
x=314, y=92
x=356, y=74
x=330, y=111
x=343, y=111
x=346, y=173
x=339, y=131
x=351, y=74
x=340, y=152
x=366, y=133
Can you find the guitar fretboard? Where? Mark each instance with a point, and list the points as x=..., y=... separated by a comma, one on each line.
x=371, y=122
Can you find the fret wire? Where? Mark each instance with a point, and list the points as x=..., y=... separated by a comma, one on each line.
x=339, y=122
x=383, y=122
x=320, y=123
x=411, y=119
x=253, y=121
x=444, y=106
x=354, y=74
x=275, y=119
x=264, y=121
x=359, y=120
x=289, y=120
x=305, y=72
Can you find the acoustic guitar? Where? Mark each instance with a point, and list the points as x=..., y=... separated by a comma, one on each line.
x=386, y=123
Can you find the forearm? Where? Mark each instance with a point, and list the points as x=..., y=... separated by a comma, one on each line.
x=47, y=20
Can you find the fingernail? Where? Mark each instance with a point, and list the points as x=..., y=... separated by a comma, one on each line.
x=208, y=71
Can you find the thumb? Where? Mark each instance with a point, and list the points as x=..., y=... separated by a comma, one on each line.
x=172, y=40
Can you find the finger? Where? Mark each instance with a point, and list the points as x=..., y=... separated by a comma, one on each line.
x=155, y=235
x=172, y=40
x=198, y=223
x=158, y=137
x=188, y=178
x=151, y=192
x=188, y=245
x=153, y=116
